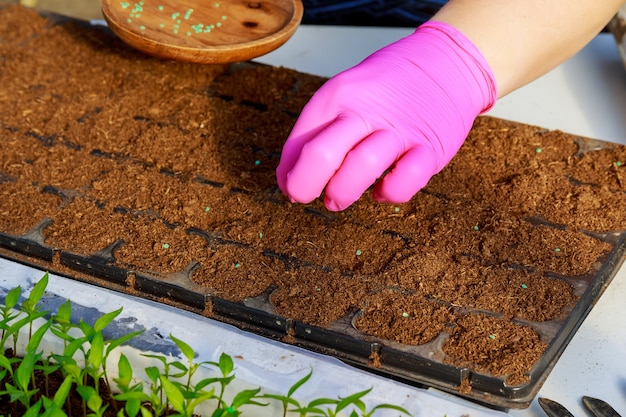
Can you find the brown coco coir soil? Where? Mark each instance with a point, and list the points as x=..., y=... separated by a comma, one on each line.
x=172, y=166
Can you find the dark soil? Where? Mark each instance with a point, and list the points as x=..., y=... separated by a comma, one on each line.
x=171, y=166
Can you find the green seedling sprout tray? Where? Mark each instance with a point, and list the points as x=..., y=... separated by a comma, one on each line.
x=418, y=365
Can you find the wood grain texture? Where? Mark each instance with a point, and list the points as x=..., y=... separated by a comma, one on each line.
x=211, y=32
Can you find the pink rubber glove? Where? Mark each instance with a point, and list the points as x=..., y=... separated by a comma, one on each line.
x=403, y=112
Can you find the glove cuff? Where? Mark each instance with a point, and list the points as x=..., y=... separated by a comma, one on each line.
x=478, y=67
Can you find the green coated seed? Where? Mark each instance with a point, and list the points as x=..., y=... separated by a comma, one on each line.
x=476, y=227
x=396, y=209
x=538, y=150
x=405, y=314
x=358, y=252
x=257, y=162
x=166, y=246
x=237, y=264
x=160, y=8
x=557, y=249
x=492, y=336
x=618, y=164
x=524, y=286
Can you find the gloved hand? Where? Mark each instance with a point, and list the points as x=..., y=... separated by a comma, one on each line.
x=402, y=114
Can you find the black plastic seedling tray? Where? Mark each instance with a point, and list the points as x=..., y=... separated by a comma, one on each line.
x=420, y=365
x=412, y=364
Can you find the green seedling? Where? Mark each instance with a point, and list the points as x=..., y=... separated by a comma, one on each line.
x=157, y=396
x=54, y=407
x=333, y=407
x=28, y=313
x=226, y=368
x=30, y=306
x=184, y=402
x=63, y=323
x=47, y=366
x=288, y=400
x=23, y=388
x=7, y=310
x=93, y=400
x=193, y=394
x=245, y=397
x=132, y=395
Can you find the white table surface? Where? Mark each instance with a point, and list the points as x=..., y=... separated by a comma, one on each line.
x=586, y=96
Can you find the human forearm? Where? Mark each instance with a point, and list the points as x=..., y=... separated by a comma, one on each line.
x=523, y=39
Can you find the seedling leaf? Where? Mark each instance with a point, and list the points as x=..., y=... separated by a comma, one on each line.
x=174, y=396
x=24, y=371
x=36, y=293
x=64, y=313
x=91, y=396
x=299, y=383
x=63, y=391
x=12, y=297
x=389, y=407
x=121, y=340
x=5, y=363
x=96, y=351
x=226, y=364
x=33, y=410
x=351, y=399
x=125, y=371
x=106, y=319
x=153, y=373
x=245, y=397
x=184, y=347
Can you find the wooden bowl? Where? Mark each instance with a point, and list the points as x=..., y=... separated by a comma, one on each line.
x=208, y=32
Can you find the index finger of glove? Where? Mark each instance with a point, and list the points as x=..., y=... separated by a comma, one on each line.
x=322, y=155
x=307, y=127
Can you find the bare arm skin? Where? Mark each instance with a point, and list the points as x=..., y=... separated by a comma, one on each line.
x=523, y=39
